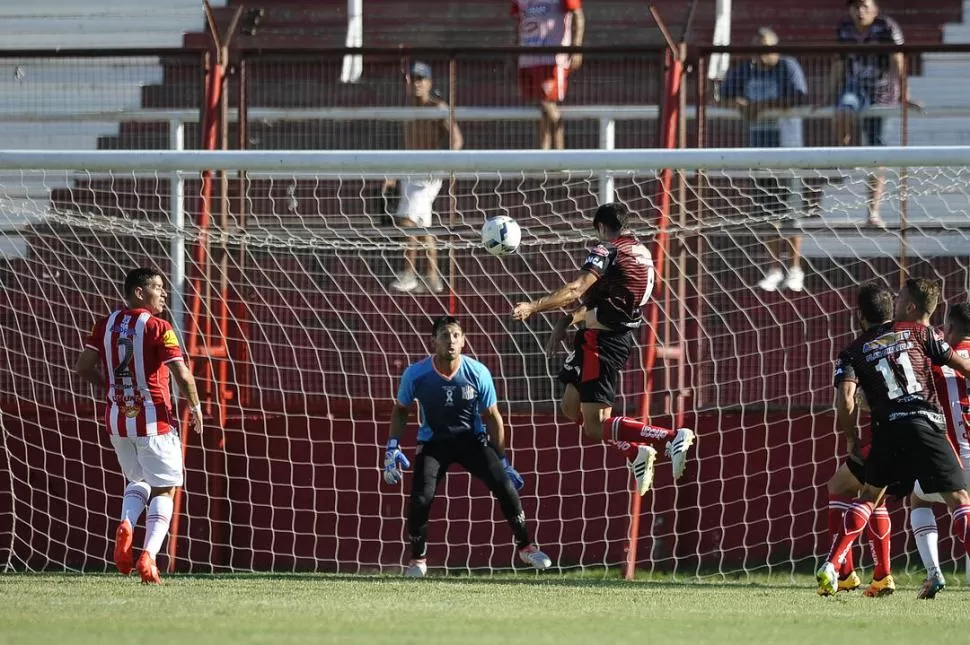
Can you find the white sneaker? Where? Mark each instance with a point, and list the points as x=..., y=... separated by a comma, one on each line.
x=435, y=286
x=828, y=580
x=406, y=282
x=795, y=280
x=531, y=555
x=771, y=280
x=677, y=450
x=642, y=468
x=416, y=569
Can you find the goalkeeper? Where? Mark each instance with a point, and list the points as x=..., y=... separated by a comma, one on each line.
x=453, y=393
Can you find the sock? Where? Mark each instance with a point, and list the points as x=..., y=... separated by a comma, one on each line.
x=856, y=519
x=838, y=505
x=630, y=430
x=880, y=530
x=961, y=525
x=156, y=525
x=627, y=449
x=136, y=497
x=923, y=523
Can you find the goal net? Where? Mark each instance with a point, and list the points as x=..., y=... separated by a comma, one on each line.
x=300, y=340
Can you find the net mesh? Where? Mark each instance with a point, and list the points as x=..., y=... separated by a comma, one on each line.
x=296, y=289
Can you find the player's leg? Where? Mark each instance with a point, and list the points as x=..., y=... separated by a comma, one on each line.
x=843, y=487
x=133, y=504
x=872, y=128
x=430, y=467
x=552, y=130
x=425, y=206
x=922, y=521
x=161, y=461
x=477, y=457
x=408, y=278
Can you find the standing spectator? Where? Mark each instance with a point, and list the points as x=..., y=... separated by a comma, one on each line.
x=542, y=77
x=858, y=81
x=418, y=194
x=772, y=82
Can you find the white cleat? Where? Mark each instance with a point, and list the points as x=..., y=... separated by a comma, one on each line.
x=771, y=280
x=406, y=283
x=532, y=556
x=416, y=569
x=642, y=468
x=677, y=450
x=795, y=280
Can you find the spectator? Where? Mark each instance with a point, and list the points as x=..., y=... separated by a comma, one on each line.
x=417, y=195
x=858, y=81
x=773, y=82
x=542, y=77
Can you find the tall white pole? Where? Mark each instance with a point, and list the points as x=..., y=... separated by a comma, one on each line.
x=176, y=136
x=718, y=66
x=353, y=66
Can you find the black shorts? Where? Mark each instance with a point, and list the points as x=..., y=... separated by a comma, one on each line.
x=470, y=450
x=910, y=449
x=898, y=490
x=594, y=364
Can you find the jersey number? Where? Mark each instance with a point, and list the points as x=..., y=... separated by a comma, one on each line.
x=893, y=386
x=126, y=352
x=642, y=256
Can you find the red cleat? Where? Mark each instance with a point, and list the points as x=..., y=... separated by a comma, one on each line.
x=123, y=553
x=147, y=569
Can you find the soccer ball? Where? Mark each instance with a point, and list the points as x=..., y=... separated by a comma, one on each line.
x=501, y=235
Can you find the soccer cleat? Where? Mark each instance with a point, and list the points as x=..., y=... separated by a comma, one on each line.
x=795, y=280
x=642, y=468
x=880, y=588
x=771, y=280
x=406, y=282
x=147, y=569
x=124, y=558
x=850, y=583
x=828, y=580
x=417, y=568
x=677, y=450
x=533, y=556
x=931, y=586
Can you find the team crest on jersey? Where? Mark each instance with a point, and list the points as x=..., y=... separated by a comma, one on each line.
x=131, y=408
x=169, y=339
x=468, y=393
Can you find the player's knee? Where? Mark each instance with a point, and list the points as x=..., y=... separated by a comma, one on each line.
x=593, y=428
x=550, y=111
x=158, y=491
x=570, y=409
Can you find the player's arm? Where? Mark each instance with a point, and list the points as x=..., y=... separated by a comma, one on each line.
x=88, y=367
x=578, y=32
x=959, y=363
x=399, y=421
x=845, y=411
x=186, y=383
x=394, y=459
x=451, y=136
x=494, y=425
x=562, y=297
x=496, y=429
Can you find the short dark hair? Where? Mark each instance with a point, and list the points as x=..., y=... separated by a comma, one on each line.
x=924, y=293
x=139, y=278
x=960, y=314
x=443, y=321
x=875, y=303
x=613, y=216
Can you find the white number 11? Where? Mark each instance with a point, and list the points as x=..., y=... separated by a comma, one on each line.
x=892, y=383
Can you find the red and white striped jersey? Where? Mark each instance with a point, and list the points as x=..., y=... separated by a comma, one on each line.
x=135, y=347
x=954, y=396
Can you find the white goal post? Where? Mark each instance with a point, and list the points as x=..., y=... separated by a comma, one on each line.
x=294, y=289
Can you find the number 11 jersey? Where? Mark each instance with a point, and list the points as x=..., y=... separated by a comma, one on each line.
x=135, y=347
x=893, y=364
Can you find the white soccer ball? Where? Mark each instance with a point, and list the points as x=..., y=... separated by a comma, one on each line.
x=501, y=235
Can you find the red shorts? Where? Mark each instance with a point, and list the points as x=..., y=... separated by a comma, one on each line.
x=545, y=83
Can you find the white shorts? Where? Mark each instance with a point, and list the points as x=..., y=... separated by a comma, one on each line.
x=417, y=198
x=157, y=460
x=936, y=497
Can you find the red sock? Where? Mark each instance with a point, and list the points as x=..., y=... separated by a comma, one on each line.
x=629, y=450
x=853, y=525
x=961, y=525
x=838, y=505
x=879, y=531
x=627, y=429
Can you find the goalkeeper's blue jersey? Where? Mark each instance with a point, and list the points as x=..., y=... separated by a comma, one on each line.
x=448, y=404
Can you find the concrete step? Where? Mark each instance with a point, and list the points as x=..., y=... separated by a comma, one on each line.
x=16, y=73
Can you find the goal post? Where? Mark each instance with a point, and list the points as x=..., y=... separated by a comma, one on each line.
x=317, y=339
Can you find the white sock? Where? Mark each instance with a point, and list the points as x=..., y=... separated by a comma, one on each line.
x=156, y=526
x=923, y=523
x=136, y=497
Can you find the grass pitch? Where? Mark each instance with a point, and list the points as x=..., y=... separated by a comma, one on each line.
x=69, y=609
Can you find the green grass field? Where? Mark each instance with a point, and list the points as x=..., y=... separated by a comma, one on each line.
x=75, y=610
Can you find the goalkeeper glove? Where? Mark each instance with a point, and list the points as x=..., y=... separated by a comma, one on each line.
x=392, y=458
x=517, y=481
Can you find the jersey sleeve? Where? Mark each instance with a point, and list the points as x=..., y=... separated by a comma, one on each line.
x=598, y=260
x=936, y=348
x=405, y=392
x=844, y=372
x=895, y=31
x=93, y=339
x=797, y=84
x=167, y=343
x=486, y=389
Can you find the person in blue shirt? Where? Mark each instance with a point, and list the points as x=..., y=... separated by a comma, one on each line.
x=769, y=81
x=453, y=392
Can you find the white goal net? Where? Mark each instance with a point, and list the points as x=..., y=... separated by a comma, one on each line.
x=292, y=296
